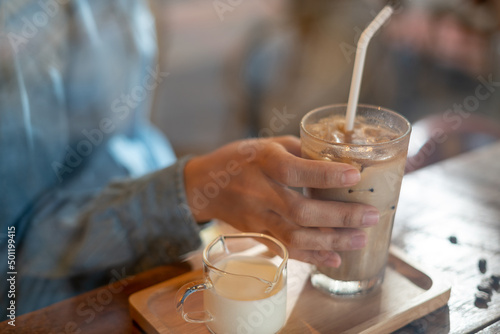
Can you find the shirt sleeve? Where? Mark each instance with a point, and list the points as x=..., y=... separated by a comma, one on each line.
x=140, y=222
x=130, y=226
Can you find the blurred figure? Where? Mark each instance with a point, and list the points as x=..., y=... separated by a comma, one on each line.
x=429, y=63
x=302, y=62
x=453, y=92
x=427, y=57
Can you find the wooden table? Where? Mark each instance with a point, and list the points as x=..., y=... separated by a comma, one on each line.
x=459, y=197
x=63, y=317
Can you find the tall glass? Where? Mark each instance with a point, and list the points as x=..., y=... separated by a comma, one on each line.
x=378, y=147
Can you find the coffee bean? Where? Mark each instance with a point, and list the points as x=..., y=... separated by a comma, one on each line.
x=453, y=239
x=482, y=266
x=481, y=303
x=484, y=287
x=482, y=299
x=483, y=296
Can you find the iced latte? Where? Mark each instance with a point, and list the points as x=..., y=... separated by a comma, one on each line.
x=377, y=146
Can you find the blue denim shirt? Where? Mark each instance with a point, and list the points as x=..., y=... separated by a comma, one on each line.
x=90, y=186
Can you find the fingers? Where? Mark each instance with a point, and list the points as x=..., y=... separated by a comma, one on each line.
x=318, y=258
x=315, y=213
x=290, y=143
x=315, y=239
x=325, y=239
x=286, y=168
x=308, y=212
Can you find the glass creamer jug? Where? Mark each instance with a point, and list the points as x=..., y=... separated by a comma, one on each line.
x=244, y=285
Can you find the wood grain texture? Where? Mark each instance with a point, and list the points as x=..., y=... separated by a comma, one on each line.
x=407, y=294
x=493, y=329
x=108, y=317
x=461, y=198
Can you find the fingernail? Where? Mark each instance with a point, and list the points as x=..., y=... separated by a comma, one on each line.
x=350, y=177
x=358, y=241
x=370, y=218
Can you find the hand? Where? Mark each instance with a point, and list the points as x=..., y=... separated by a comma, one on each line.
x=246, y=184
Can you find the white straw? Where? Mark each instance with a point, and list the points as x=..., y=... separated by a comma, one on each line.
x=359, y=63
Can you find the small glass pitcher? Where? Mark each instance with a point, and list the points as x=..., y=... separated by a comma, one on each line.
x=244, y=285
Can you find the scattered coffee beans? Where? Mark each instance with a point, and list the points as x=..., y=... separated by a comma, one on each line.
x=486, y=287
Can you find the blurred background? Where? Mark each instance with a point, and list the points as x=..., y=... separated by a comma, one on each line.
x=236, y=65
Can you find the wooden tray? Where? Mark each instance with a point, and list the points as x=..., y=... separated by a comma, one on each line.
x=407, y=294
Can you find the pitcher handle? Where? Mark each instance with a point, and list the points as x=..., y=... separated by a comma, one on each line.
x=184, y=292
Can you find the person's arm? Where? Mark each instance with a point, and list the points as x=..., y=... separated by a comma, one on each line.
x=76, y=240
x=139, y=222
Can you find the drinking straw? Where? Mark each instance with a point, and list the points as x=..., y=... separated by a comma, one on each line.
x=359, y=62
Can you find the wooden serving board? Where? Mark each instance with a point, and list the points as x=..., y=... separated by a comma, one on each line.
x=407, y=293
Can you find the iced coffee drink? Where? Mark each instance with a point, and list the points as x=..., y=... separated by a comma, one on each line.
x=377, y=146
